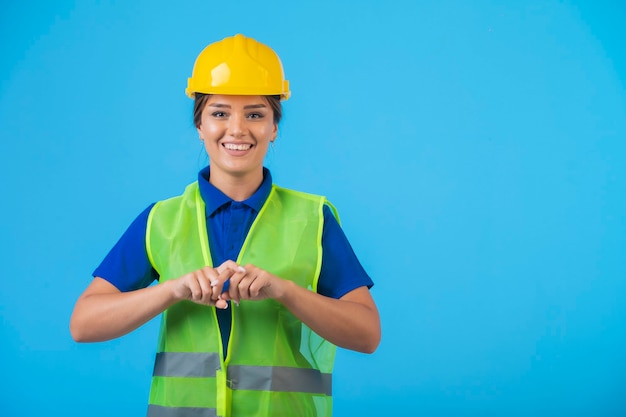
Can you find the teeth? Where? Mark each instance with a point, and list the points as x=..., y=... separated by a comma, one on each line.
x=237, y=147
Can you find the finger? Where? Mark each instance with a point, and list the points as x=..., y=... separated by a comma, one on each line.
x=220, y=283
x=208, y=278
x=228, y=264
x=205, y=286
x=239, y=272
x=195, y=292
x=244, y=287
x=236, y=283
x=233, y=290
x=213, y=281
x=260, y=281
x=221, y=304
x=256, y=286
x=234, y=268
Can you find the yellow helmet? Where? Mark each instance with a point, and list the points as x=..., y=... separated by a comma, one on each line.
x=238, y=65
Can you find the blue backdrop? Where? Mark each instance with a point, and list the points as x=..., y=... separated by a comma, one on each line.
x=475, y=151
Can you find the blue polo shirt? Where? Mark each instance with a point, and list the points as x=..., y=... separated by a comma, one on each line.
x=128, y=268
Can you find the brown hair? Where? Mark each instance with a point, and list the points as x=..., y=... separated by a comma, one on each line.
x=201, y=99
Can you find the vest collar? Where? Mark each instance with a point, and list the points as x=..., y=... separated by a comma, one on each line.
x=214, y=198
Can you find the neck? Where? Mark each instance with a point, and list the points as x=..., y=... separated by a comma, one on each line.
x=238, y=188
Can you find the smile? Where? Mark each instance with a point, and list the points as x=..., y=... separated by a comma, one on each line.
x=237, y=147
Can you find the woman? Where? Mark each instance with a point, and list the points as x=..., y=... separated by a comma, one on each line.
x=257, y=283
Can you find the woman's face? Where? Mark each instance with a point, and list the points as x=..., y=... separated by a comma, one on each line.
x=237, y=131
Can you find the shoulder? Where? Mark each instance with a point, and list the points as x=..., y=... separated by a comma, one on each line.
x=329, y=210
x=189, y=193
x=288, y=191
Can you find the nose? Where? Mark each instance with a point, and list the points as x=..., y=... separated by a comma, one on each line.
x=237, y=125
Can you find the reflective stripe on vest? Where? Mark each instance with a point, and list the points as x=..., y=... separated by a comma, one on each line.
x=160, y=411
x=186, y=364
x=280, y=378
x=191, y=378
x=258, y=378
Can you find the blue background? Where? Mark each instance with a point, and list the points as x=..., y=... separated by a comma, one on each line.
x=475, y=150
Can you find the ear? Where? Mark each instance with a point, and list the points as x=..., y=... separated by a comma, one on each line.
x=200, y=134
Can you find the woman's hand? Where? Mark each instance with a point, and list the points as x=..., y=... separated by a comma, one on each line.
x=102, y=312
x=247, y=282
x=351, y=321
x=200, y=286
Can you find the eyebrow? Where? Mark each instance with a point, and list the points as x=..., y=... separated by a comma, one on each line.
x=227, y=106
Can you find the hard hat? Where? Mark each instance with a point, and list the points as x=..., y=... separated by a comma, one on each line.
x=238, y=65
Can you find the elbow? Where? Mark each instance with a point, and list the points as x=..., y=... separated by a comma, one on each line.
x=375, y=336
x=370, y=348
x=77, y=331
x=77, y=337
x=363, y=343
x=372, y=344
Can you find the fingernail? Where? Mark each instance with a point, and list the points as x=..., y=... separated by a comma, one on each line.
x=242, y=269
x=214, y=283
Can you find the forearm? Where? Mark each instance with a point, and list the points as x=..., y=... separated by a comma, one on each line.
x=351, y=322
x=104, y=315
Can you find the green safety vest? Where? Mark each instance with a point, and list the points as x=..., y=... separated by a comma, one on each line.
x=276, y=365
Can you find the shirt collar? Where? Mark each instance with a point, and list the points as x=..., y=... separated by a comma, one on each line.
x=214, y=198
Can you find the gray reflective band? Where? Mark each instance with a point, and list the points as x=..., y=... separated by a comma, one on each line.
x=280, y=378
x=160, y=411
x=186, y=364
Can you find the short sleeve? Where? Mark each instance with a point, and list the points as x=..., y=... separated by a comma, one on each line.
x=341, y=270
x=127, y=266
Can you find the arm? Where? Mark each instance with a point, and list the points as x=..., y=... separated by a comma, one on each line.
x=116, y=305
x=351, y=321
x=103, y=312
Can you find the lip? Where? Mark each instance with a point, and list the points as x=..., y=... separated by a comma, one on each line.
x=237, y=152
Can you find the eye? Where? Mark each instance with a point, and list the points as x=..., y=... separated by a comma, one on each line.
x=218, y=114
x=256, y=116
